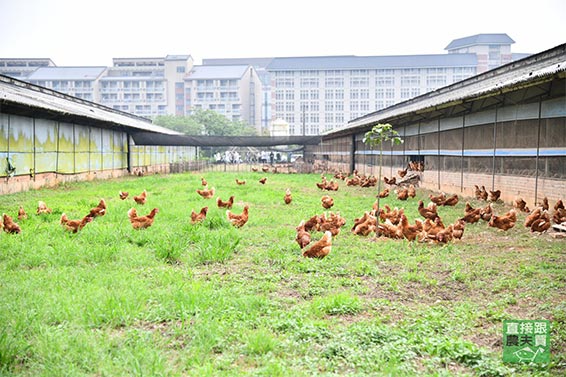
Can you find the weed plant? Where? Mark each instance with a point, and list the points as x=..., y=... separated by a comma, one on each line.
x=209, y=299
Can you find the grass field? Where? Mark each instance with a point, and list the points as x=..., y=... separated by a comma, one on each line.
x=210, y=299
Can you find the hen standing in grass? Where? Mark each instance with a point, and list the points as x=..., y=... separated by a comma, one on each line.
x=99, y=210
x=42, y=208
x=142, y=222
x=287, y=198
x=141, y=198
x=22, y=214
x=199, y=217
x=320, y=248
x=238, y=220
x=74, y=225
x=9, y=225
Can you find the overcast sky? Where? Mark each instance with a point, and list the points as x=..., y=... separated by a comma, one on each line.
x=81, y=32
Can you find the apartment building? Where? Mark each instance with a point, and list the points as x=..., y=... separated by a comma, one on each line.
x=231, y=90
x=146, y=86
x=80, y=82
x=312, y=94
x=21, y=68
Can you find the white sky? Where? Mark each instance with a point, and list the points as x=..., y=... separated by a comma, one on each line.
x=85, y=32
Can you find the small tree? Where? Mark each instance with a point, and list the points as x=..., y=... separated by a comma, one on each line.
x=378, y=134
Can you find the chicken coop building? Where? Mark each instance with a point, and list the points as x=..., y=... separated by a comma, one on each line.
x=49, y=138
x=504, y=129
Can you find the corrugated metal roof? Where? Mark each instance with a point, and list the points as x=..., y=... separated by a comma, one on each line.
x=23, y=94
x=217, y=72
x=480, y=39
x=66, y=73
x=373, y=62
x=531, y=69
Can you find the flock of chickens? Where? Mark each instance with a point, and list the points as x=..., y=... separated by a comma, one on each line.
x=384, y=222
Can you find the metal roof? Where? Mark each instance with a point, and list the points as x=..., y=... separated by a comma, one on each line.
x=372, y=62
x=480, y=39
x=256, y=62
x=217, y=72
x=66, y=73
x=25, y=99
x=527, y=72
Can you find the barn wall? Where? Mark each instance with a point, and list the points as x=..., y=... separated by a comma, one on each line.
x=37, y=153
x=519, y=149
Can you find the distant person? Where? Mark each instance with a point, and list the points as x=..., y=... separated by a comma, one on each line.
x=271, y=156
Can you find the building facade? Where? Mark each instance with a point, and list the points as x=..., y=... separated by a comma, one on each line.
x=312, y=94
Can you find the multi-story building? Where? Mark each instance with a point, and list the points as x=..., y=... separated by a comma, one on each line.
x=312, y=94
x=230, y=90
x=21, y=68
x=81, y=82
x=146, y=86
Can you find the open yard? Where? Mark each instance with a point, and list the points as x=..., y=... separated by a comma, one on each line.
x=211, y=299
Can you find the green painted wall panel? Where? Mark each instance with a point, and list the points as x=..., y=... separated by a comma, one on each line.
x=66, y=163
x=66, y=138
x=45, y=162
x=82, y=162
x=21, y=134
x=45, y=136
x=3, y=133
x=82, y=137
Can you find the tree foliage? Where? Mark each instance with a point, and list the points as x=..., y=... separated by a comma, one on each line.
x=205, y=122
x=379, y=134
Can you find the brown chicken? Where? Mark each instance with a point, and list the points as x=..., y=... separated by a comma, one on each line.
x=320, y=248
x=559, y=216
x=387, y=229
x=254, y=169
x=558, y=205
x=141, y=198
x=123, y=194
x=483, y=193
x=410, y=232
x=365, y=225
x=240, y=182
x=542, y=224
x=203, y=182
x=520, y=204
x=392, y=181
x=545, y=204
x=531, y=217
x=303, y=237
x=288, y=198
x=402, y=193
x=393, y=215
x=437, y=199
x=412, y=191
x=240, y=220
x=504, y=222
x=327, y=202
x=74, y=225
x=265, y=169
x=22, y=213
x=99, y=210
x=225, y=204
x=42, y=208
x=432, y=227
x=477, y=192
x=402, y=173
x=384, y=193
x=200, y=216
x=332, y=186
x=458, y=228
x=486, y=212
x=9, y=225
x=142, y=222
x=206, y=193
x=333, y=222
x=451, y=200
x=263, y=180
x=494, y=195
x=471, y=215
x=313, y=223
x=445, y=235
x=427, y=212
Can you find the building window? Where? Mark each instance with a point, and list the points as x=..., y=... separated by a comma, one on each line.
x=180, y=69
x=314, y=94
x=289, y=95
